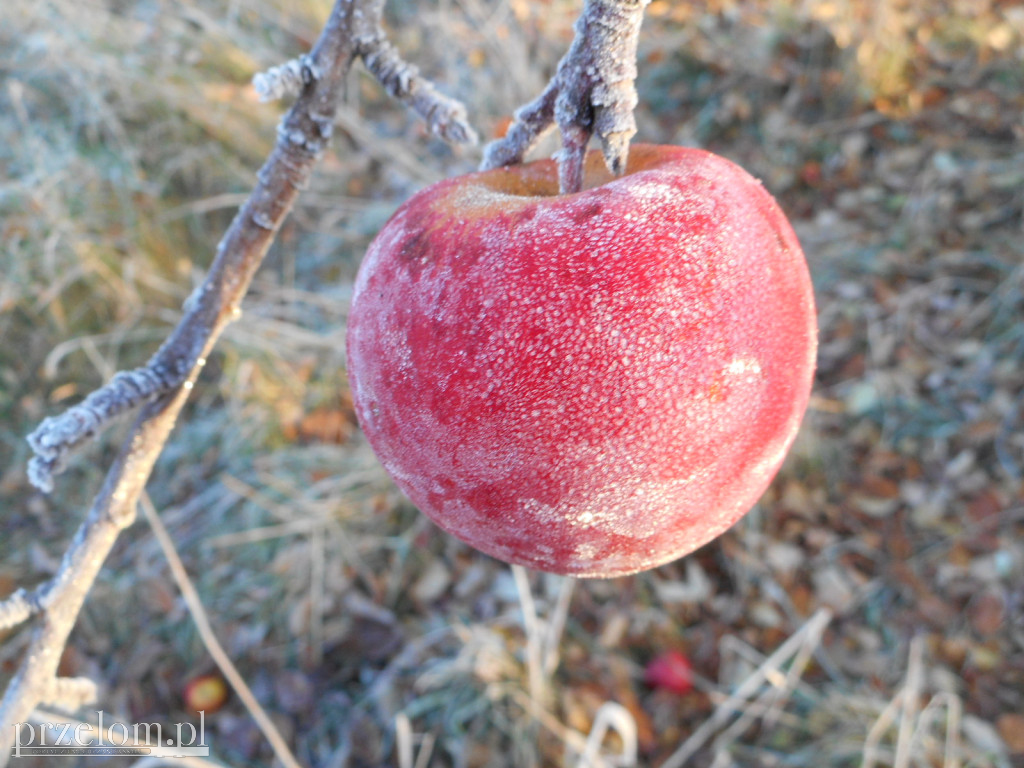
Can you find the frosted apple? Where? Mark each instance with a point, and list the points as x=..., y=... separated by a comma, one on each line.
x=590, y=384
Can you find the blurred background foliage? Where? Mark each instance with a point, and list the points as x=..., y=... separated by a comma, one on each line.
x=891, y=132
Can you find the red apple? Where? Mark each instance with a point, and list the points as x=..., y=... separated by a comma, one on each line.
x=590, y=384
x=671, y=671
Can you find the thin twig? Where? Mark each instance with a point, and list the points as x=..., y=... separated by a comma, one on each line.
x=445, y=117
x=911, y=703
x=403, y=740
x=808, y=635
x=287, y=79
x=611, y=715
x=878, y=729
x=556, y=625
x=954, y=716
x=905, y=706
x=534, y=649
x=534, y=662
x=210, y=641
x=18, y=608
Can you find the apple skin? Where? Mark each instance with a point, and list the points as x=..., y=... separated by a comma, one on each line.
x=590, y=384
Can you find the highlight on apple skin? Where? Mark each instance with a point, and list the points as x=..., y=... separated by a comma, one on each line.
x=591, y=384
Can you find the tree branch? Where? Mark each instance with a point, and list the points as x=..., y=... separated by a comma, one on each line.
x=17, y=608
x=593, y=91
x=163, y=385
x=287, y=79
x=445, y=118
x=301, y=138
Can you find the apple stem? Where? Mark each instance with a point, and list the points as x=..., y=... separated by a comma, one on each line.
x=593, y=91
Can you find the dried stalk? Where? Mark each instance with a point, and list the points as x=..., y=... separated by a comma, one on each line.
x=212, y=644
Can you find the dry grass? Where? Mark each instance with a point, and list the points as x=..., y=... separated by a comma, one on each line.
x=890, y=131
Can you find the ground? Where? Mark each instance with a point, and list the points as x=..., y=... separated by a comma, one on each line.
x=886, y=561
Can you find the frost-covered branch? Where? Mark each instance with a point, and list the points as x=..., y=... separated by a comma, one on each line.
x=18, y=608
x=287, y=79
x=592, y=92
x=57, y=437
x=162, y=386
x=445, y=117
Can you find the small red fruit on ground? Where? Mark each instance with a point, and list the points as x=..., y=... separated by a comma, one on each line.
x=590, y=384
x=206, y=693
x=671, y=670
